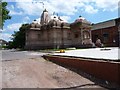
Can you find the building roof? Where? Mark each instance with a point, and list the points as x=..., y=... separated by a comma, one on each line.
x=105, y=24
x=3, y=41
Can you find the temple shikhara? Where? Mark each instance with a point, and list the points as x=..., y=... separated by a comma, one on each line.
x=53, y=32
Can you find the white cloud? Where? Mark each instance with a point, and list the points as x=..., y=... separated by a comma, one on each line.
x=67, y=7
x=30, y=8
x=107, y=5
x=13, y=27
x=18, y=0
x=6, y=36
x=26, y=19
x=8, y=31
x=11, y=7
x=64, y=7
x=65, y=18
x=90, y=9
x=13, y=12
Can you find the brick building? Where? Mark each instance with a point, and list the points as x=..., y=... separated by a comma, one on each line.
x=107, y=32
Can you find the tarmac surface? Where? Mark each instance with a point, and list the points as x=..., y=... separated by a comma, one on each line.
x=27, y=69
x=18, y=55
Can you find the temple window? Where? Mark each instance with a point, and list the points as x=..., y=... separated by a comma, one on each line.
x=86, y=35
x=39, y=36
x=69, y=36
x=76, y=35
x=105, y=37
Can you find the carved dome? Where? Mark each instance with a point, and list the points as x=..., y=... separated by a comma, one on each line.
x=32, y=25
x=54, y=21
x=35, y=25
x=57, y=21
x=82, y=19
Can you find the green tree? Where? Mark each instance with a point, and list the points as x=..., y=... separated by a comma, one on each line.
x=4, y=13
x=18, y=40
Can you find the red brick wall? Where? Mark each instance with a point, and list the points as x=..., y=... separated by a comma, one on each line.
x=101, y=69
x=113, y=34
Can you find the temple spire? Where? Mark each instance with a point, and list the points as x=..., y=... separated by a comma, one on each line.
x=45, y=17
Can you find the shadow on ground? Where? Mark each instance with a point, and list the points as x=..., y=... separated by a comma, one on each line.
x=102, y=83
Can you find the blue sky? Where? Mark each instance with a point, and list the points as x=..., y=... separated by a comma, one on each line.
x=25, y=11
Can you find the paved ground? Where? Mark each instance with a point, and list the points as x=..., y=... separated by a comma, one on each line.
x=18, y=55
x=29, y=70
x=111, y=53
